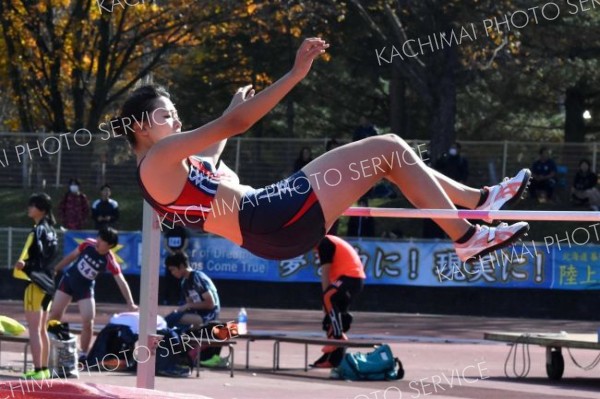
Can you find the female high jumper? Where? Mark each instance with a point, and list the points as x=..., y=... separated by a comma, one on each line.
x=289, y=218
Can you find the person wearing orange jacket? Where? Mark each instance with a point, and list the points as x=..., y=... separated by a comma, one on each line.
x=342, y=279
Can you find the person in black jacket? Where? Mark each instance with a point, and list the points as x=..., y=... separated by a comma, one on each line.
x=584, y=189
x=34, y=265
x=105, y=210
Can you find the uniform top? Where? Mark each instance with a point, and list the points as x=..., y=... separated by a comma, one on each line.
x=196, y=285
x=343, y=258
x=194, y=203
x=90, y=263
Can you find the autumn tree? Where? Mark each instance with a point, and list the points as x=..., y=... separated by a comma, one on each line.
x=69, y=62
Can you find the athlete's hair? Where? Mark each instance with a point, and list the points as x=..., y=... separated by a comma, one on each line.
x=109, y=235
x=43, y=202
x=176, y=259
x=141, y=101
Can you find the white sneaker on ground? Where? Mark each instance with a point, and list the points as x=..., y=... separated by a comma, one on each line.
x=489, y=238
x=507, y=193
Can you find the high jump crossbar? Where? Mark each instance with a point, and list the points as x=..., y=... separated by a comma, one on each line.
x=554, y=216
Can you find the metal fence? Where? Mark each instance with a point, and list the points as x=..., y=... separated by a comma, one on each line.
x=12, y=240
x=37, y=160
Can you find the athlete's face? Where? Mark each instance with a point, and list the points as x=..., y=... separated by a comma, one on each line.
x=34, y=212
x=163, y=120
x=102, y=246
x=176, y=271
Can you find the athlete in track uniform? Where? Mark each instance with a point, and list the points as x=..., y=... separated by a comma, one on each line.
x=89, y=259
x=290, y=217
x=34, y=265
x=202, y=304
x=342, y=279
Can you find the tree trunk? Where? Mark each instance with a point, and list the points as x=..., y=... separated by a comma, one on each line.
x=398, y=114
x=443, y=107
x=574, y=109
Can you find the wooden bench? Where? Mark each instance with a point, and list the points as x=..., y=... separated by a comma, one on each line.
x=19, y=340
x=356, y=343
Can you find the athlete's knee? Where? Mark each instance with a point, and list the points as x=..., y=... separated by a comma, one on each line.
x=87, y=323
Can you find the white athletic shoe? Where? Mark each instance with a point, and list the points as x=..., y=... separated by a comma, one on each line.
x=507, y=193
x=489, y=238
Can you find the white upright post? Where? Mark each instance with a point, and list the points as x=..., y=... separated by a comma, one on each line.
x=148, y=298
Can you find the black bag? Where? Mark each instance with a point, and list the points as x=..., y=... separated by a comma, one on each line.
x=113, y=349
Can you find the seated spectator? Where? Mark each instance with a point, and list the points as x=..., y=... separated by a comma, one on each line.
x=304, y=158
x=331, y=144
x=105, y=210
x=543, y=178
x=453, y=164
x=364, y=130
x=584, y=189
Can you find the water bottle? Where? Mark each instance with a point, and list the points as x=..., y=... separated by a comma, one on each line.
x=242, y=322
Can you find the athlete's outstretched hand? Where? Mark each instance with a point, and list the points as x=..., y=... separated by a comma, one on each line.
x=310, y=49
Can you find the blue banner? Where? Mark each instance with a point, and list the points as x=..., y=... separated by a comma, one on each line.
x=417, y=263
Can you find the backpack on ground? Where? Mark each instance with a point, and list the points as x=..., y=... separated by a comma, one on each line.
x=379, y=365
x=113, y=349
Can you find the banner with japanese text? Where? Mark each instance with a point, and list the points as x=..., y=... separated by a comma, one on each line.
x=415, y=262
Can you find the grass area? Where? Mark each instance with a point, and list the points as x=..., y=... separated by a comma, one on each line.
x=130, y=203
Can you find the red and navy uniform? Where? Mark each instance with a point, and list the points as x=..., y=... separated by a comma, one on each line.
x=280, y=221
x=78, y=280
x=194, y=203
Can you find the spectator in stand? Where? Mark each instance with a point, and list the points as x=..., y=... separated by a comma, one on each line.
x=544, y=177
x=364, y=130
x=453, y=164
x=584, y=189
x=303, y=159
x=74, y=208
x=105, y=210
x=331, y=144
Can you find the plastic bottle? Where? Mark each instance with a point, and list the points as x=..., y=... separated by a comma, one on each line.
x=242, y=322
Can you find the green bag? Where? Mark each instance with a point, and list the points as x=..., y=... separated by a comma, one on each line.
x=379, y=365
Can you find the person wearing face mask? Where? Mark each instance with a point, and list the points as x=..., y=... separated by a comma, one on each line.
x=74, y=207
x=453, y=164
